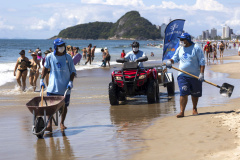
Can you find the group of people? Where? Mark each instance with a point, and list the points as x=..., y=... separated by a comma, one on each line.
x=210, y=49
x=34, y=64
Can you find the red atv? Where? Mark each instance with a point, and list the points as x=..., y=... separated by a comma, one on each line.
x=132, y=80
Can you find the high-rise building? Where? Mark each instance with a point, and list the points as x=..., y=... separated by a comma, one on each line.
x=163, y=27
x=203, y=35
x=226, y=32
x=213, y=33
x=207, y=34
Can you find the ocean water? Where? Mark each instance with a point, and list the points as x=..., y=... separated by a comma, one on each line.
x=10, y=48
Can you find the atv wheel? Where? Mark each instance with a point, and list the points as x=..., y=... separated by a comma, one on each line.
x=113, y=96
x=151, y=92
x=171, y=87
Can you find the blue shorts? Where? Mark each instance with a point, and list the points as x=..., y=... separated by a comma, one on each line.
x=189, y=86
x=67, y=98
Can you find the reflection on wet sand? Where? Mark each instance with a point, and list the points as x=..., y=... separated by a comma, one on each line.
x=54, y=148
x=136, y=114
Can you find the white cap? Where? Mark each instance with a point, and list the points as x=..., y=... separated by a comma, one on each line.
x=105, y=48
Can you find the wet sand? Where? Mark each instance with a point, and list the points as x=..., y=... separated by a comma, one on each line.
x=97, y=130
x=213, y=134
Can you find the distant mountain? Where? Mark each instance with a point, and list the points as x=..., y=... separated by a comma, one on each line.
x=129, y=26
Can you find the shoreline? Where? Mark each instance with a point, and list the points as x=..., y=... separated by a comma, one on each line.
x=213, y=134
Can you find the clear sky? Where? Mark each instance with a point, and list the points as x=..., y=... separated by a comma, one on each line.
x=44, y=19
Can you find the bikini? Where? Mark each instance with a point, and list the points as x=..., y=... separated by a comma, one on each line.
x=20, y=62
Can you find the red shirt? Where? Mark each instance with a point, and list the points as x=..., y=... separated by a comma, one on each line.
x=123, y=55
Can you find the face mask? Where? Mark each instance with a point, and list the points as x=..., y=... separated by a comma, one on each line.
x=61, y=49
x=182, y=43
x=135, y=49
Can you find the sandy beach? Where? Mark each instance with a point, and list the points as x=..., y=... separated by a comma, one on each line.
x=213, y=134
x=97, y=130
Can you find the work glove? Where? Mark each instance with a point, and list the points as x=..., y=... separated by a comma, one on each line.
x=169, y=64
x=42, y=84
x=201, y=77
x=70, y=85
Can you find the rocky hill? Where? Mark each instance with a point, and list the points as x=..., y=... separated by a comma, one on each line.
x=129, y=26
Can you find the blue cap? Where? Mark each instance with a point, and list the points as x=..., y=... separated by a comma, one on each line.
x=186, y=36
x=57, y=42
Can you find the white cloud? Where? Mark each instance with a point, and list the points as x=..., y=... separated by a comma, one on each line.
x=206, y=5
x=4, y=26
x=114, y=2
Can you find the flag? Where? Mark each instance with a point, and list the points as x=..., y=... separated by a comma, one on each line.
x=173, y=30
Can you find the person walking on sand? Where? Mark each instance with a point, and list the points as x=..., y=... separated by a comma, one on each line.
x=21, y=66
x=62, y=72
x=93, y=53
x=43, y=62
x=191, y=59
x=34, y=70
x=215, y=52
x=221, y=49
x=89, y=54
x=207, y=49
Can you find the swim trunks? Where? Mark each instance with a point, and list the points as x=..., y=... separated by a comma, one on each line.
x=189, y=86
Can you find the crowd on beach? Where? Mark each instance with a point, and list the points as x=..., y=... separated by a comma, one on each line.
x=211, y=49
x=38, y=60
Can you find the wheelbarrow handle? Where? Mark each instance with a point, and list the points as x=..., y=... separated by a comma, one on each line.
x=195, y=76
x=66, y=92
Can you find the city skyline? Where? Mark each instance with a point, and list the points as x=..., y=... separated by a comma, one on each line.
x=44, y=19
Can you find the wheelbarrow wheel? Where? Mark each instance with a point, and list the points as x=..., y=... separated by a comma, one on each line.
x=39, y=126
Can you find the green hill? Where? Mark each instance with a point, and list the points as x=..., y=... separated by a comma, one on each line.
x=129, y=26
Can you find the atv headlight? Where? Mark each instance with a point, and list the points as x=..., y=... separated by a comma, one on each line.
x=118, y=78
x=142, y=76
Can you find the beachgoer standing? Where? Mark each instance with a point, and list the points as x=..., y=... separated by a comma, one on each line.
x=104, y=58
x=123, y=54
x=50, y=49
x=207, y=49
x=21, y=67
x=61, y=76
x=89, y=54
x=107, y=56
x=191, y=59
x=215, y=52
x=152, y=54
x=135, y=54
x=34, y=70
x=43, y=62
x=221, y=49
x=93, y=53
x=84, y=54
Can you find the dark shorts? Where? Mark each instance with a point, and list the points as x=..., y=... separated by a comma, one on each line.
x=189, y=86
x=67, y=98
x=108, y=58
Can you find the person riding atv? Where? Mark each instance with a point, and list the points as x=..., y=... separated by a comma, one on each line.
x=133, y=55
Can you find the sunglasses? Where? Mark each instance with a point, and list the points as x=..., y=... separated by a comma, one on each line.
x=182, y=39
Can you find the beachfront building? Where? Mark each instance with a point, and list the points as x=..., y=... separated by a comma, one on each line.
x=163, y=27
x=226, y=32
x=213, y=33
